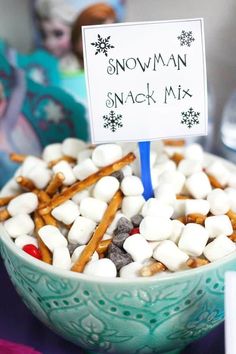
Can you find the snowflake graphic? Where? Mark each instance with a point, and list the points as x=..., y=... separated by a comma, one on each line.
x=186, y=38
x=112, y=121
x=102, y=45
x=54, y=112
x=190, y=118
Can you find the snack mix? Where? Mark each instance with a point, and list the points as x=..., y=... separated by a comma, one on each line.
x=81, y=208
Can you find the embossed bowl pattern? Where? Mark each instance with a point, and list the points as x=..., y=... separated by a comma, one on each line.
x=121, y=316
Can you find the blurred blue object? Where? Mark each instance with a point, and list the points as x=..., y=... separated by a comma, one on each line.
x=33, y=115
x=118, y=5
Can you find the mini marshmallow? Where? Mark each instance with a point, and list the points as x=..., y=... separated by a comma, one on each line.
x=194, y=152
x=113, y=225
x=10, y=188
x=81, y=230
x=155, y=207
x=23, y=240
x=30, y=163
x=127, y=170
x=81, y=195
x=102, y=268
x=66, y=212
x=61, y=258
x=40, y=176
x=65, y=168
x=132, y=186
x=155, y=228
x=77, y=252
x=93, y=208
x=219, y=202
x=199, y=206
x=177, y=229
x=165, y=166
x=189, y=166
x=176, y=178
x=193, y=239
x=217, y=225
x=219, y=248
x=170, y=255
x=137, y=246
x=72, y=146
x=165, y=193
x=24, y=203
x=231, y=193
x=198, y=185
x=105, y=188
x=154, y=244
x=106, y=154
x=219, y=171
x=52, y=152
x=19, y=224
x=84, y=154
x=179, y=208
x=131, y=270
x=52, y=237
x=84, y=169
x=132, y=205
x=232, y=180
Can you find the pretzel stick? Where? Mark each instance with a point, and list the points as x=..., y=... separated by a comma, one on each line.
x=4, y=214
x=92, y=245
x=181, y=196
x=5, y=200
x=214, y=181
x=25, y=183
x=232, y=216
x=152, y=269
x=89, y=181
x=196, y=262
x=176, y=157
x=195, y=218
x=170, y=142
x=49, y=220
x=103, y=246
x=232, y=237
x=45, y=252
x=63, y=158
x=42, y=196
x=19, y=158
x=55, y=183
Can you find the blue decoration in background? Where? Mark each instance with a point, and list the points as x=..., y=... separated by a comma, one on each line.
x=144, y=150
x=33, y=116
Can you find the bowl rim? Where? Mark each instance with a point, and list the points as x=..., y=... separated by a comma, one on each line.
x=164, y=277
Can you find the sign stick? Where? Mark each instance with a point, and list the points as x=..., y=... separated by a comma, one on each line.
x=144, y=150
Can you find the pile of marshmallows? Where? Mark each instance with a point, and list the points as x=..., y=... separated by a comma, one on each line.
x=143, y=231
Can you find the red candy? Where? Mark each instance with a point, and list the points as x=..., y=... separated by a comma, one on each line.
x=134, y=231
x=33, y=251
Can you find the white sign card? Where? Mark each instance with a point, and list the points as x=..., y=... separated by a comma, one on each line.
x=146, y=81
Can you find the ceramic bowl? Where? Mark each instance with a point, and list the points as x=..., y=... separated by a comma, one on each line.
x=140, y=316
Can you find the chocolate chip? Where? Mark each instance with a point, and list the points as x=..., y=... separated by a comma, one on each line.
x=119, y=257
x=123, y=226
x=136, y=220
x=119, y=239
x=72, y=247
x=119, y=175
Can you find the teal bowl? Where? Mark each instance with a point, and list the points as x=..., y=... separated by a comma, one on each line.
x=141, y=316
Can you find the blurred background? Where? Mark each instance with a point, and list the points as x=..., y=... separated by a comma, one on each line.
x=18, y=27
